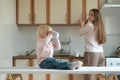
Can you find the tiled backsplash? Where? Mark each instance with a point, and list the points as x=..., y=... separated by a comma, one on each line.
x=28, y=39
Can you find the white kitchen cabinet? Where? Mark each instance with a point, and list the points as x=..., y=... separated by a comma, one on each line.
x=90, y=4
x=58, y=11
x=112, y=61
x=39, y=12
x=76, y=11
x=23, y=12
x=30, y=12
x=22, y=63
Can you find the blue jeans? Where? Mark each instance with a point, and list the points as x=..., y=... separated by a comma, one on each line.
x=52, y=63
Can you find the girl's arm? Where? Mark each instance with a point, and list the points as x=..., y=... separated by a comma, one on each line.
x=56, y=44
x=41, y=45
x=48, y=38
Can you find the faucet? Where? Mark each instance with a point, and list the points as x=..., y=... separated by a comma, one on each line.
x=29, y=52
x=69, y=42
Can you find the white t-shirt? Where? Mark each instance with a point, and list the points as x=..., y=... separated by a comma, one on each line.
x=91, y=44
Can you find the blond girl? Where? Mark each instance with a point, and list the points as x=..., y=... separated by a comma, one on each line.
x=47, y=42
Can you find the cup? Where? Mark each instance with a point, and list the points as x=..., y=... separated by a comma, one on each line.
x=76, y=53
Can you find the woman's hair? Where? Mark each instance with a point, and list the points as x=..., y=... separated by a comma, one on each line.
x=99, y=26
x=43, y=29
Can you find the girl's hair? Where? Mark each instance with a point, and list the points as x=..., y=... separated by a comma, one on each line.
x=43, y=29
x=99, y=26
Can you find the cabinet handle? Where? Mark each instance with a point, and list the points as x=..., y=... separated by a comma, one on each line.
x=80, y=15
x=111, y=63
x=29, y=18
x=34, y=17
x=66, y=18
x=118, y=64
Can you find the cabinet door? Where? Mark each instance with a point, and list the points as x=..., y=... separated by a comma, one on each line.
x=58, y=11
x=91, y=4
x=22, y=63
x=112, y=61
x=40, y=12
x=76, y=11
x=23, y=12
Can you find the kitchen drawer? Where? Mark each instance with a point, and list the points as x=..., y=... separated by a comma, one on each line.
x=112, y=61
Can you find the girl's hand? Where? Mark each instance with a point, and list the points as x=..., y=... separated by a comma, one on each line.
x=49, y=32
x=45, y=34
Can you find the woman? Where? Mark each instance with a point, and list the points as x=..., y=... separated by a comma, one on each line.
x=94, y=32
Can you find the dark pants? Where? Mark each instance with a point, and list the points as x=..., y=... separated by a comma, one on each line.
x=51, y=63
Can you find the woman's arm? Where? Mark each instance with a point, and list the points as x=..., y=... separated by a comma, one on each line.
x=84, y=30
x=84, y=27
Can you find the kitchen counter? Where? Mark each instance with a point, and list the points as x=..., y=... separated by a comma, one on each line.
x=112, y=56
x=55, y=56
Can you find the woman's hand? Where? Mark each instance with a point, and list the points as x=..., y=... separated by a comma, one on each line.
x=82, y=23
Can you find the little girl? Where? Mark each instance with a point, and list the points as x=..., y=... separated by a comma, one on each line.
x=94, y=32
x=47, y=42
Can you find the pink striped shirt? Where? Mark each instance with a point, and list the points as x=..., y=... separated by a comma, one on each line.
x=45, y=48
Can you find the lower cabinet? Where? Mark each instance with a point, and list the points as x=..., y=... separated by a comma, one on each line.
x=113, y=62
x=25, y=62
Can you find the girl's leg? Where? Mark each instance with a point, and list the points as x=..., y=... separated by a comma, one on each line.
x=48, y=63
x=62, y=64
x=66, y=65
x=51, y=63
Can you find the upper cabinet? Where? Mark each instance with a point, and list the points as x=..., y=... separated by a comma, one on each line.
x=76, y=11
x=30, y=12
x=55, y=12
x=58, y=11
x=23, y=15
x=39, y=12
x=91, y=4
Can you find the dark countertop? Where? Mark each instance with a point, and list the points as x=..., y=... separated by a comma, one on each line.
x=112, y=56
x=64, y=56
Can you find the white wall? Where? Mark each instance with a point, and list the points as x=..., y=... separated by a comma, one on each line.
x=28, y=38
x=28, y=42
x=9, y=34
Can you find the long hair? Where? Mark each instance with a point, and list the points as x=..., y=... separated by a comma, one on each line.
x=43, y=29
x=99, y=26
